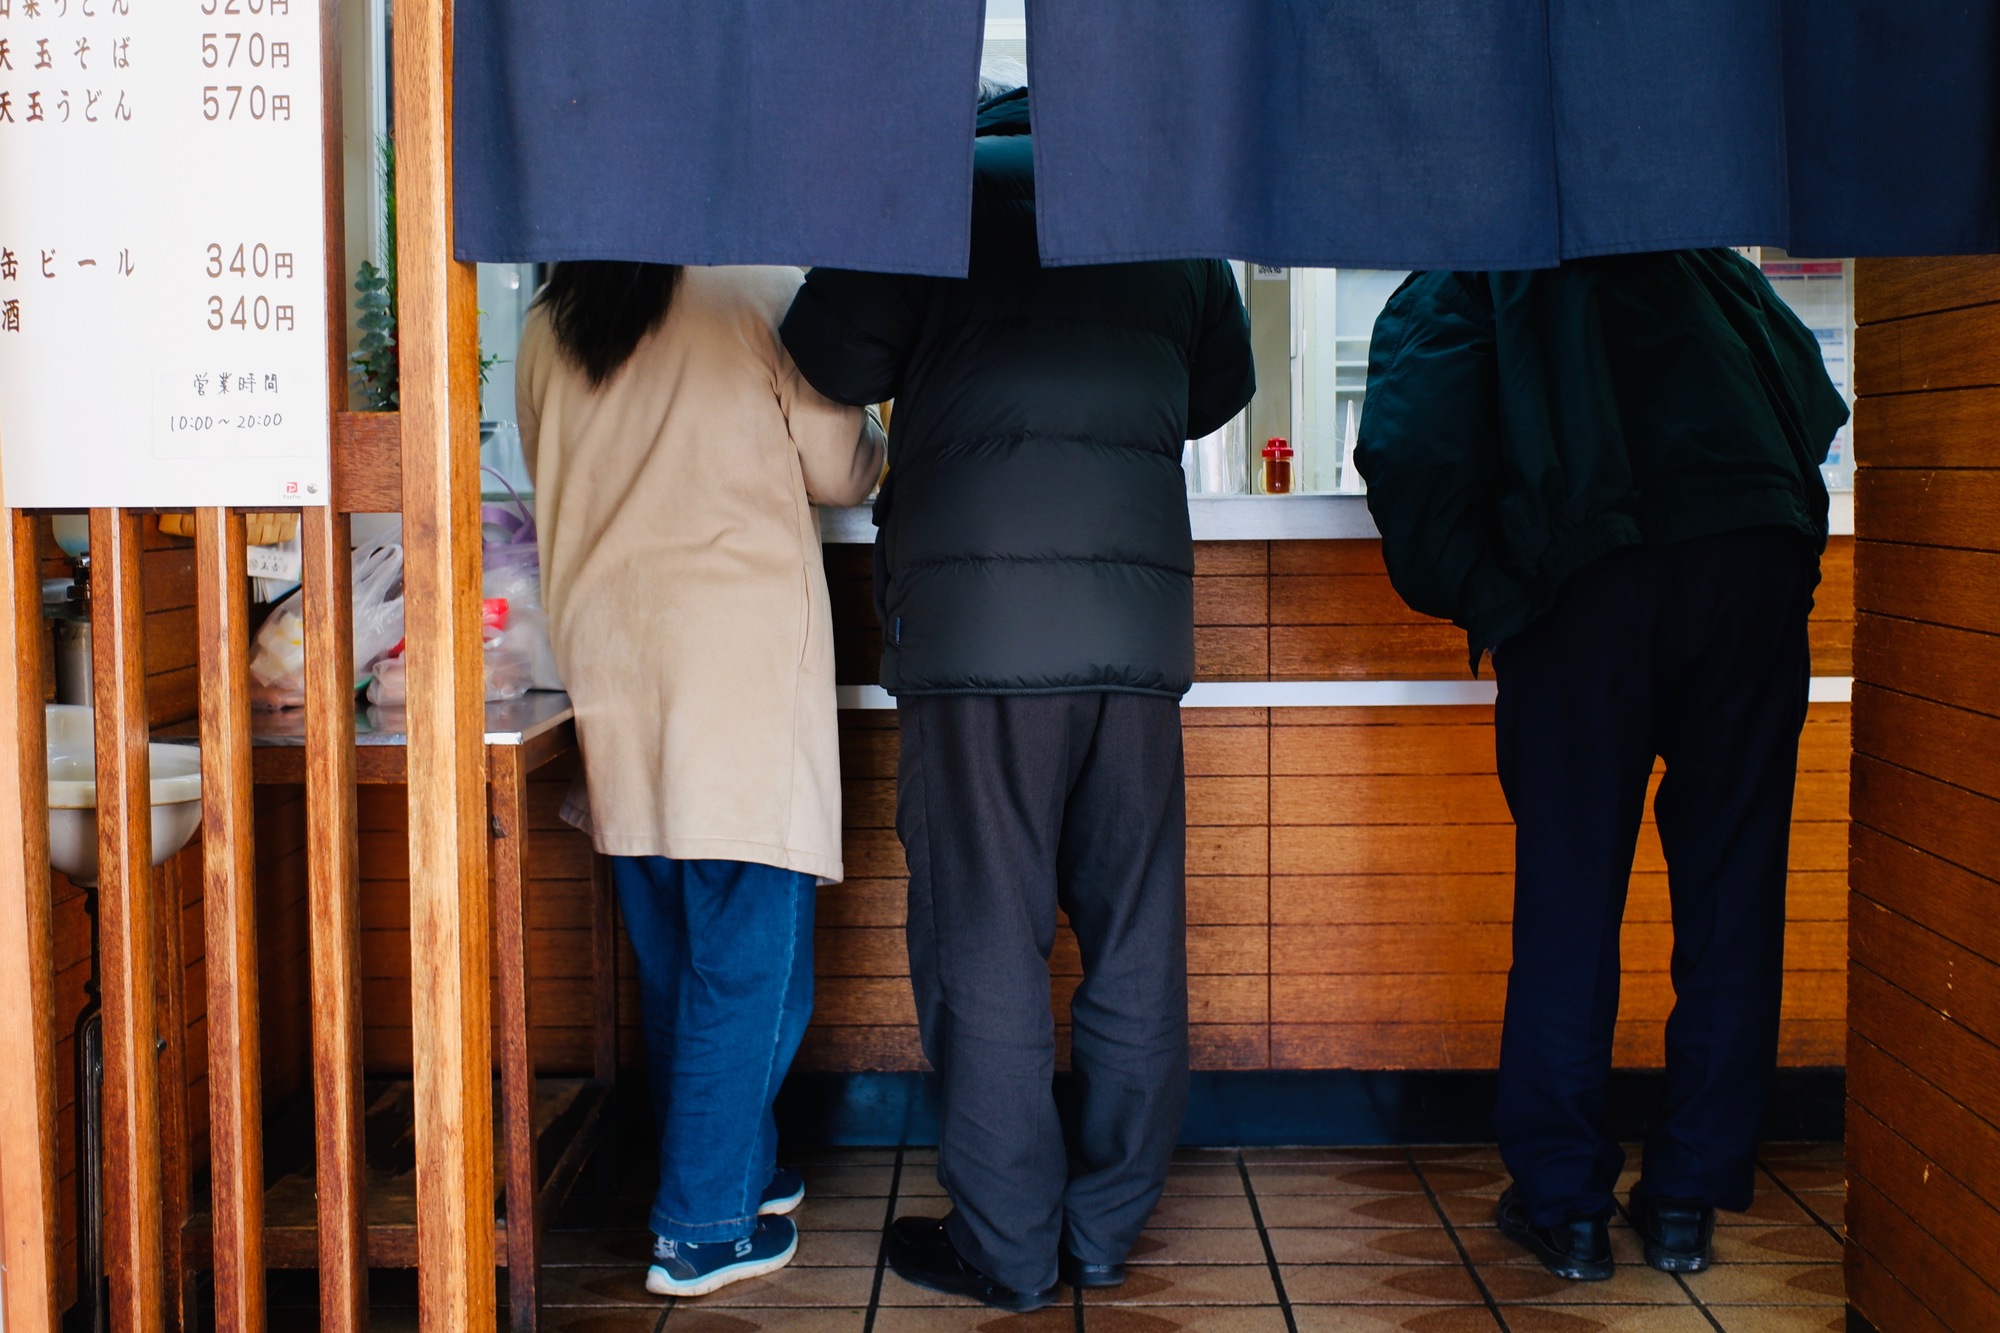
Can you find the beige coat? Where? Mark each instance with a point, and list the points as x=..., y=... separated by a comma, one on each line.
x=681, y=569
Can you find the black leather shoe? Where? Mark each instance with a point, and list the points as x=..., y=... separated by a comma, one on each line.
x=1579, y=1251
x=921, y=1252
x=1679, y=1233
x=1080, y=1274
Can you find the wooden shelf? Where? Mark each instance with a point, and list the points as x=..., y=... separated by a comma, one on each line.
x=569, y=1121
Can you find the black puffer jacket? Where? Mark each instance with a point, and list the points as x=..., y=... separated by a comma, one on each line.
x=1034, y=530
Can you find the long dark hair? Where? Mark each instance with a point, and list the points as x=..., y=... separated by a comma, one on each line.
x=599, y=310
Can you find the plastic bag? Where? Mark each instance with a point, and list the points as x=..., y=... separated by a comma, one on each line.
x=513, y=571
x=509, y=665
x=277, y=655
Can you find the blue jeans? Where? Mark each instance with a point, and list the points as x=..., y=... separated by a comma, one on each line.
x=725, y=989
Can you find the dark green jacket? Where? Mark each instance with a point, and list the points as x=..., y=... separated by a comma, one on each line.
x=1520, y=425
x=1034, y=525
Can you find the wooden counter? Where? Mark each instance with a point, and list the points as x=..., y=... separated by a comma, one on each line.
x=1350, y=868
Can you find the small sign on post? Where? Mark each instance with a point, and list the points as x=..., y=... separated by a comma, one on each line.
x=163, y=332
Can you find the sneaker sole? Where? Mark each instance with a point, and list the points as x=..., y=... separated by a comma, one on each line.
x=661, y=1284
x=780, y=1207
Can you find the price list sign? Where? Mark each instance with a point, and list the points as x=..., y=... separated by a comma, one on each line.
x=162, y=253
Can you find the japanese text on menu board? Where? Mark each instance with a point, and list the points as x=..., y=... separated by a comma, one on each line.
x=163, y=330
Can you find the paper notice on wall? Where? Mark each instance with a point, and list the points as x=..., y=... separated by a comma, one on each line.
x=163, y=324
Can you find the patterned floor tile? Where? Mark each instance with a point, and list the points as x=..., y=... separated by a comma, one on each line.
x=849, y=1182
x=624, y=1284
x=1169, y=1319
x=966, y=1317
x=807, y=1288
x=1198, y=1245
x=1343, y=1155
x=1479, y=1153
x=1203, y=1210
x=596, y=1321
x=1382, y=1318
x=842, y=1214
x=1771, y=1207
x=597, y=1249
x=919, y=1181
x=697, y=1317
x=1363, y=1245
x=1486, y=1179
x=1782, y=1245
x=1190, y=1284
x=1335, y=1178
x=838, y=1249
x=1804, y=1174
x=1531, y=1284
x=1209, y=1178
x=1770, y=1284
x=1780, y=1318
x=1825, y=1153
x=1351, y=1210
x=1606, y=1319
x=1378, y=1284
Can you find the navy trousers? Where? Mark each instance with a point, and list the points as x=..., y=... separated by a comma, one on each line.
x=1695, y=653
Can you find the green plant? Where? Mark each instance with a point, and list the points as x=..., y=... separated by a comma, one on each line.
x=377, y=376
x=377, y=373
x=376, y=380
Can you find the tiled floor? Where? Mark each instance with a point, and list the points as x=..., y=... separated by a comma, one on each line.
x=1273, y=1239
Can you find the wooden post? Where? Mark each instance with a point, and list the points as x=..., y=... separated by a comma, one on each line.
x=132, y=1197
x=333, y=874
x=450, y=999
x=27, y=1048
x=235, y=1081
x=517, y=1058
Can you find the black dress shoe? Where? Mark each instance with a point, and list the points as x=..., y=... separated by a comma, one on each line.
x=1080, y=1274
x=921, y=1252
x=1679, y=1233
x=1579, y=1251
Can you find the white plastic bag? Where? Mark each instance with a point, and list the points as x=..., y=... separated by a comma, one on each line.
x=277, y=655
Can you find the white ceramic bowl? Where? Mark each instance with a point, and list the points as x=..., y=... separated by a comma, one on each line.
x=176, y=782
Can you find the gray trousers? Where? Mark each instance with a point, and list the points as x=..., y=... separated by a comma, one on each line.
x=1010, y=806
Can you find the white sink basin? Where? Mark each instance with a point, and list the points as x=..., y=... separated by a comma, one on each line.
x=176, y=780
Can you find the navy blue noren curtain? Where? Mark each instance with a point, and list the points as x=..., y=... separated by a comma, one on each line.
x=717, y=131
x=1512, y=133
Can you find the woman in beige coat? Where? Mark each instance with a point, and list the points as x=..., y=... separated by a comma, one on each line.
x=677, y=455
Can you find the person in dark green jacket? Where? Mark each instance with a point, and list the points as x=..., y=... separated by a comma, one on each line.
x=1607, y=474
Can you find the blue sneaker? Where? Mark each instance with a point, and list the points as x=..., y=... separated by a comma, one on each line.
x=786, y=1191
x=682, y=1269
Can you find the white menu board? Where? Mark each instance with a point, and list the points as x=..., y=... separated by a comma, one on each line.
x=162, y=253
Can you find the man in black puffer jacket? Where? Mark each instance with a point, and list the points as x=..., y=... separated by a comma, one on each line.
x=1034, y=578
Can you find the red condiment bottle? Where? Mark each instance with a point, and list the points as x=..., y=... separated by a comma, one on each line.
x=1277, y=467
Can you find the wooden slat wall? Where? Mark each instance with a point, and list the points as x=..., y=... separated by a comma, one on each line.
x=167, y=576
x=1349, y=869
x=1924, y=1048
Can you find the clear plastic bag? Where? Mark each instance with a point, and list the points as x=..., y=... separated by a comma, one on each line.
x=513, y=571
x=509, y=663
x=277, y=655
